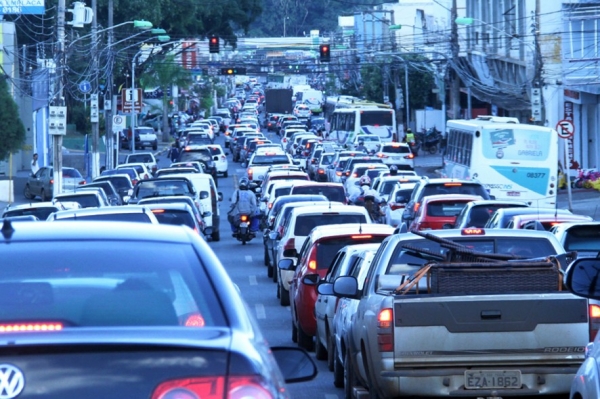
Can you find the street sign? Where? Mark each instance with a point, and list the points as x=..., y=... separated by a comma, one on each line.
x=85, y=87
x=118, y=124
x=131, y=100
x=94, y=114
x=565, y=129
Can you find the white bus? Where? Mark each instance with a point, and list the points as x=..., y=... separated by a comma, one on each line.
x=351, y=119
x=512, y=160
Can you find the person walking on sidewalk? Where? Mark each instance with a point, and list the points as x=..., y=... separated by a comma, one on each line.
x=34, y=164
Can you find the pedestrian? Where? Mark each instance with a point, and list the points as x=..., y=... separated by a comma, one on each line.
x=174, y=151
x=34, y=164
x=410, y=136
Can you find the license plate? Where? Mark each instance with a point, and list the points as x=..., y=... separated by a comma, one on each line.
x=243, y=224
x=396, y=158
x=491, y=379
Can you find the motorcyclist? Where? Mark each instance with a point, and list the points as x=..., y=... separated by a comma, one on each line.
x=368, y=198
x=243, y=201
x=361, y=146
x=393, y=170
x=410, y=136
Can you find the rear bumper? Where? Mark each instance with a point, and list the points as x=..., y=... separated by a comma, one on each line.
x=536, y=380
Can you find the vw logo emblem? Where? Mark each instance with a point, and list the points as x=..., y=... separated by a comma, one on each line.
x=12, y=381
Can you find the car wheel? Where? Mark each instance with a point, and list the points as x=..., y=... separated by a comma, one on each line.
x=284, y=296
x=349, y=378
x=225, y=174
x=275, y=274
x=27, y=192
x=305, y=341
x=155, y=146
x=338, y=370
x=43, y=195
x=320, y=350
x=331, y=353
x=266, y=257
x=216, y=235
x=294, y=332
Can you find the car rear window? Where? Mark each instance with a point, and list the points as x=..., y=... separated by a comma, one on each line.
x=521, y=246
x=74, y=173
x=445, y=208
x=583, y=238
x=195, y=155
x=270, y=160
x=161, y=188
x=305, y=223
x=137, y=217
x=40, y=213
x=86, y=201
x=395, y=149
x=120, y=182
x=327, y=249
x=139, y=158
x=281, y=191
x=174, y=216
x=84, y=290
x=333, y=193
x=455, y=188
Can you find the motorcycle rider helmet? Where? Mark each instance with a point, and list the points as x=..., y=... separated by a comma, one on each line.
x=393, y=170
x=243, y=184
x=365, y=181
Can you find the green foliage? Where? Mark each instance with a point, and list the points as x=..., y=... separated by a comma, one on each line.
x=80, y=117
x=420, y=82
x=372, y=82
x=12, y=131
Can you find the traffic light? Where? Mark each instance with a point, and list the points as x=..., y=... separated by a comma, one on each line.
x=233, y=71
x=325, y=53
x=213, y=45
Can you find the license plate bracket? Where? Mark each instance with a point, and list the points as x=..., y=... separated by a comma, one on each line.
x=243, y=224
x=493, y=379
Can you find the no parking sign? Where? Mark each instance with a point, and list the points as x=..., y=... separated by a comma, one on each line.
x=565, y=129
x=118, y=123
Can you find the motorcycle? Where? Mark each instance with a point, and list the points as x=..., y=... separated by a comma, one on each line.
x=243, y=231
x=428, y=141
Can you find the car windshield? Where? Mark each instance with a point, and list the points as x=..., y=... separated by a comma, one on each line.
x=195, y=155
x=41, y=213
x=119, y=182
x=368, y=139
x=269, y=159
x=395, y=149
x=198, y=139
x=162, y=187
x=128, y=171
x=86, y=201
x=456, y=188
x=136, y=217
x=305, y=223
x=84, y=290
x=327, y=249
x=583, y=238
x=445, y=208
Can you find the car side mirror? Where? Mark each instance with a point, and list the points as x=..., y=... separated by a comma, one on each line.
x=311, y=279
x=206, y=214
x=325, y=288
x=290, y=253
x=226, y=154
x=220, y=196
x=286, y=264
x=296, y=162
x=203, y=195
x=216, y=158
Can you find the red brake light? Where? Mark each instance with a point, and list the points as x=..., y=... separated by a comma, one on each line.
x=30, y=327
x=472, y=232
x=385, y=337
x=270, y=205
x=158, y=210
x=195, y=320
x=51, y=181
x=212, y=388
x=594, y=314
x=312, y=265
x=360, y=236
x=81, y=183
x=452, y=184
x=409, y=156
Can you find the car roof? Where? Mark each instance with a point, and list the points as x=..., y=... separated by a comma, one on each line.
x=101, y=211
x=497, y=202
x=333, y=207
x=455, y=233
x=181, y=206
x=67, y=231
x=349, y=229
x=286, y=172
x=549, y=217
x=319, y=184
x=449, y=197
x=44, y=204
x=507, y=212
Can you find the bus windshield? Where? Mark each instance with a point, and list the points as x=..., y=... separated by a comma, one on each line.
x=516, y=145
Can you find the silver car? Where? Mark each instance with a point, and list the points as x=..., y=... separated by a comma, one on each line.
x=42, y=183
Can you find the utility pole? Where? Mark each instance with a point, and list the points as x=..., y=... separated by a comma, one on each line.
x=59, y=100
x=455, y=82
x=94, y=117
x=110, y=136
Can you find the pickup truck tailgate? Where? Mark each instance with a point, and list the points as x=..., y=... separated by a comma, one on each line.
x=490, y=330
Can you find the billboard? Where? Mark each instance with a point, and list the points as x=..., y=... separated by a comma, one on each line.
x=22, y=7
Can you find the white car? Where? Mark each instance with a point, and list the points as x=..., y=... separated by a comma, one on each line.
x=396, y=203
x=302, y=111
x=398, y=154
x=219, y=157
x=140, y=167
x=145, y=157
x=370, y=141
x=206, y=125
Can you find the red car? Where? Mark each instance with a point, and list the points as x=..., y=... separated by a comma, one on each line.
x=440, y=211
x=316, y=255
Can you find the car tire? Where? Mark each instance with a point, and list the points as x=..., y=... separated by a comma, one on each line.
x=320, y=349
x=294, y=332
x=266, y=257
x=284, y=296
x=338, y=370
x=43, y=195
x=331, y=353
x=305, y=341
x=216, y=235
x=27, y=192
x=349, y=378
x=226, y=174
x=155, y=146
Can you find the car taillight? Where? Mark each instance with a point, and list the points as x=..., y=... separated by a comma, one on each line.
x=244, y=218
x=250, y=173
x=385, y=336
x=290, y=244
x=409, y=156
x=213, y=387
x=134, y=182
x=338, y=173
x=394, y=206
x=195, y=320
x=223, y=157
x=321, y=171
x=380, y=155
x=51, y=181
x=594, y=321
x=82, y=182
x=270, y=205
x=416, y=207
x=30, y=327
x=347, y=173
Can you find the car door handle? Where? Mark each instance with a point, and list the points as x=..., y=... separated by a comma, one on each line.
x=491, y=315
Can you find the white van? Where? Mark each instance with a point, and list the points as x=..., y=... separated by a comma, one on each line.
x=209, y=201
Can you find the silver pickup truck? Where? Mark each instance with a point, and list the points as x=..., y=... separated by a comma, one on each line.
x=467, y=313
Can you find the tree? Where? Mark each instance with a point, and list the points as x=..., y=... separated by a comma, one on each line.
x=164, y=73
x=12, y=131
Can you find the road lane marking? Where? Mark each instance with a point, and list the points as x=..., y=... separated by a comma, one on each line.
x=249, y=258
x=260, y=311
x=253, y=280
